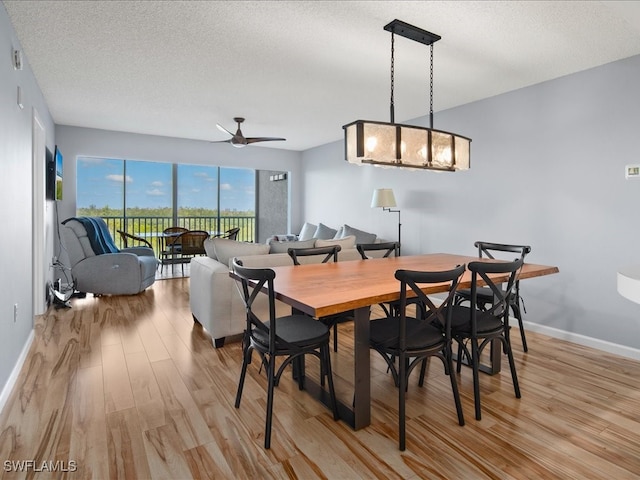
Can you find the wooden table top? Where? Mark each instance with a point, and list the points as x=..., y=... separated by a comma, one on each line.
x=329, y=288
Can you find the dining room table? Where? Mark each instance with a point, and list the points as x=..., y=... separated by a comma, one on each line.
x=326, y=289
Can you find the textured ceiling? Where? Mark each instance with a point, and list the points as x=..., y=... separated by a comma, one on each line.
x=298, y=69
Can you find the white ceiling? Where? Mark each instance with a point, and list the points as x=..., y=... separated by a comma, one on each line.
x=299, y=69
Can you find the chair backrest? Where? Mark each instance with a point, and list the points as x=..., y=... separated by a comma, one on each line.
x=252, y=282
x=172, y=234
x=390, y=247
x=232, y=234
x=435, y=311
x=330, y=252
x=125, y=237
x=502, y=289
x=192, y=242
x=489, y=249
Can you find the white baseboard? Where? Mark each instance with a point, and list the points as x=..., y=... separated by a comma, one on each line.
x=13, y=378
x=603, y=345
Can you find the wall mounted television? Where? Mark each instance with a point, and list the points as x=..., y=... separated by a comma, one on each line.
x=58, y=159
x=53, y=177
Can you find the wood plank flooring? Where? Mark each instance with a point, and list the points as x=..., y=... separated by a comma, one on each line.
x=130, y=387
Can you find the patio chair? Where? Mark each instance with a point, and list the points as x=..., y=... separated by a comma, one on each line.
x=170, y=248
x=128, y=237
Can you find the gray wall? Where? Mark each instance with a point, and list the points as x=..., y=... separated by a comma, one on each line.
x=273, y=207
x=547, y=170
x=16, y=197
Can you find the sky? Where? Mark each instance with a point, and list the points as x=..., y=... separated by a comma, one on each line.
x=100, y=182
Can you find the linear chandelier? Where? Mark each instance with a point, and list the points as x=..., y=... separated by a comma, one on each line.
x=408, y=146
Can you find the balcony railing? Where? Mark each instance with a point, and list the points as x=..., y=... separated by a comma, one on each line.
x=147, y=226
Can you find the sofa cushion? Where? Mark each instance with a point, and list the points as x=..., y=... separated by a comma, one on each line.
x=324, y=233
x=282, y=247
x=308, y=231
x=344, y=242
x=226, y=249
x=361, y=236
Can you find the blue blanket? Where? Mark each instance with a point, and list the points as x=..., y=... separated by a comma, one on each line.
x=98, y=234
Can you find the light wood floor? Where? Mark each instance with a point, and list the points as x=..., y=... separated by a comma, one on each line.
x=129, y=387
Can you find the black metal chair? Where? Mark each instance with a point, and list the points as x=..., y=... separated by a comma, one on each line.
x=231, y=234
x=479, y=328
x=292, y=337
x=134, y=240
x=331, y=253
x=387, y=247
x=412, y=340
x=391, y=308
x=485, y=295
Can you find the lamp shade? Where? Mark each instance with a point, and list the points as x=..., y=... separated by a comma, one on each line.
x=383, y=197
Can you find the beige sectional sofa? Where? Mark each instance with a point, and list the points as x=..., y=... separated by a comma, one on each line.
x=214, y=297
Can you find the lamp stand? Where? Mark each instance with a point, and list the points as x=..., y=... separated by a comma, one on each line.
x=387, y=209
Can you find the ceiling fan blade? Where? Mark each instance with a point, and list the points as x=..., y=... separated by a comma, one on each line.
x=220, y=141
x=222, y=129
x=265, y=139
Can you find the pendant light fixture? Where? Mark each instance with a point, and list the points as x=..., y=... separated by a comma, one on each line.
x=408, y=146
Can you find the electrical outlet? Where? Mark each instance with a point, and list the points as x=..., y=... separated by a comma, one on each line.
x=15, y=312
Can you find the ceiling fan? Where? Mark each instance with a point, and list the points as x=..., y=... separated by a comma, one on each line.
x=239, y=140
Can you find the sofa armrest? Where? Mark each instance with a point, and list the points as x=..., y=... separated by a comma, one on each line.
x=139, y=251
x=213, y=298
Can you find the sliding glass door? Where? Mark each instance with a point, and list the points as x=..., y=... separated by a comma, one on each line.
x=144, y=198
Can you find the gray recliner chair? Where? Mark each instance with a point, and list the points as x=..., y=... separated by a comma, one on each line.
x=98, y=266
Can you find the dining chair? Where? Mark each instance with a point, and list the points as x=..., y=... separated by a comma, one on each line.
x=485, y=295
x=330, y=254
x=387, y=247
x=128, y=237
x=390, y=249
x=291, y=337
x=170, y=248
x=413, y=340
x=473, y=328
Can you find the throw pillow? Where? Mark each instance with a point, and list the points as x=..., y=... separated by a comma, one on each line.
x=324, y=233
x=226, y=249
x=282, y=247
x=308, y=231
x=361, y=237
x=339, y=233
x=344, y=242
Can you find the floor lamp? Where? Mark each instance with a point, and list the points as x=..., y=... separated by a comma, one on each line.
x=383, y=197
